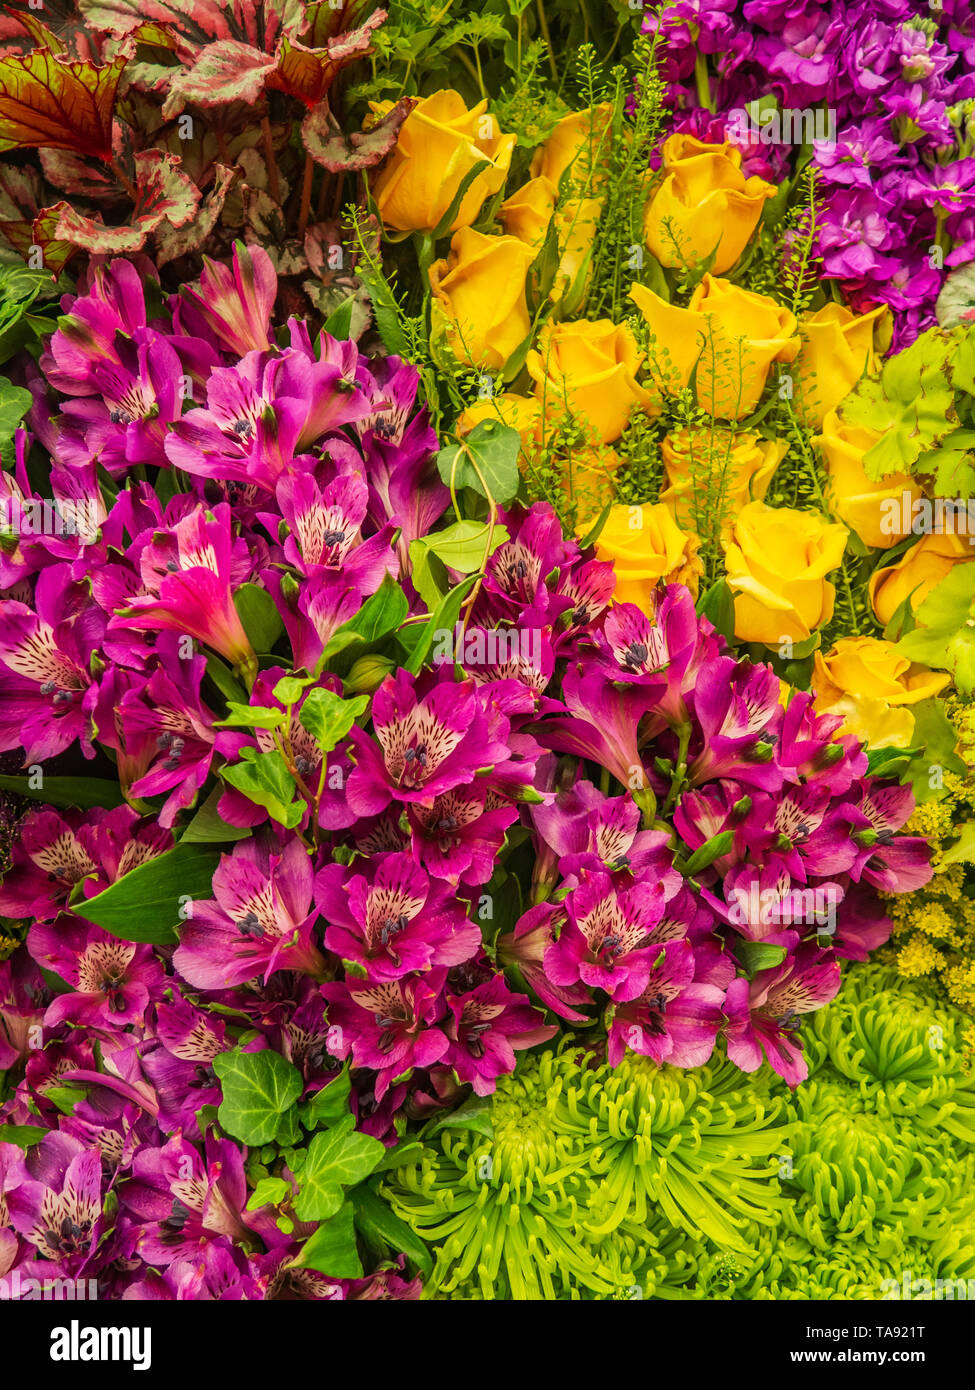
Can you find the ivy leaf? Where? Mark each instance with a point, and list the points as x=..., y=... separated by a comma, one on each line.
x=335, y=1159
x=48, y=101
x=147, y=903
x=331, y=1249
x=963, y=850
x=494, y=448
x=912, y=405
x=252, y=717
x=264, y=779
x=328, y=717
x=330, y=1104
x=258, y=1088
x=268, y=1192
x=945, y=634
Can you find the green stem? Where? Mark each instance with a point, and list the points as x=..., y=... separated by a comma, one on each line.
x=680, y=771
x=702, y=83
x=546, y=35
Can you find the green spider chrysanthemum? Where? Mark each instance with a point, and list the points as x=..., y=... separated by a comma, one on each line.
x=594, y=1182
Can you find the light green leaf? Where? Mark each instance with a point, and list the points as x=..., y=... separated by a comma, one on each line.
x=332, y=1249
x=258, y=1088
x=335, y=1159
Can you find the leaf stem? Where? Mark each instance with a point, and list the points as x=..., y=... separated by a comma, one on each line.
x=273, y=180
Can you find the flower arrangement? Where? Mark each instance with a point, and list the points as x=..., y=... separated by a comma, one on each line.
x=484, y=658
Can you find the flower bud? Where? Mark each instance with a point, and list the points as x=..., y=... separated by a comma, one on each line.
x=368, y=674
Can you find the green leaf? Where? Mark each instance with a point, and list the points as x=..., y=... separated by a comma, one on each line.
x=718, y=606
x=258, y=1088
x=209, y=827
x=335, y=1159
x=332, y=1249
x=708, y=852
x=963, y=850
x=912, y=405
x=83, y=792
x=65, y=1097
x=148, y=902
x=474, y=1114
x=463, y=546
x=290, y=689
x=264, y=779
x=382, y=1229
x=945, y=634
x=339, y=322
x=400, y=1156
x=268, y=1192
x=15, y=402
x=330, y=1104
x=328, y=717
x=444, y=617
x=596, y=530
x=225, y=680
x=259, y=615
x=24, y=1136
x=494, y=449
x=252, y=717
x=443, y=226
x=759, y=955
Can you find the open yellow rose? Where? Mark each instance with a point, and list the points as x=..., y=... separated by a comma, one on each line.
x=588, y=370
x=646, y=547
x=575, y=229
x=868, y=683
x=837, y=348
x=439, y=143
x=777, y=559
x=703, y=204
x=917, y=572
x=479, y=297
x=580, y=142
x=700, y=463
x=857, y=500
x=527, y=213
x=731, y=335
x=521, y=413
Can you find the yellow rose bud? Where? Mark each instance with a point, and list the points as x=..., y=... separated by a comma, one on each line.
x=703, y=204
x=528, y=212
x=702, y=463
x=867, y=682
x=479, y=297
x=857, y=500
x=837, y=349
x=731, y=335
x=589, y=370
x=646, y=547
x=580, y=140
x=917, y=572
x=777, y=559
x=439, y=143
x=521, y=413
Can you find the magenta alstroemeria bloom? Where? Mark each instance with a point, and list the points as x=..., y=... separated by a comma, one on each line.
x=434, y=735
x=893, y=863
x=808, y=750
x=737, y=708
x=183, y=1201
x=489, y=1024
x=233, y=303
x=587, y=830
x=260, y=919
x=57, y=1205
x=762, y=1013
x=459, y=836
x=187, y=574
x=391, y=918
x=23, y=999
x=399, y=449
x=87, y=334
x=604, y=939
x=673, y=1019
x=523, y=951
x=46, y=692
x=598, y=720
x=181, y=1067
x=111, y=981
x=388, y=1027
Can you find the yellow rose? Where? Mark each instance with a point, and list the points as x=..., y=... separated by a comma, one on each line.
x=581, y=140
x=646, y=547
x=587, y=480
x=917, y=572
x=867, y=682
x=479, y=297
x=439, y=144
x=521, y=413
x=777, y=560
x=703, y=203
x=837, y=348
x=528, y=212
x=858, y=501
x=695, y=460
x=589, y=369
x=731, y=335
